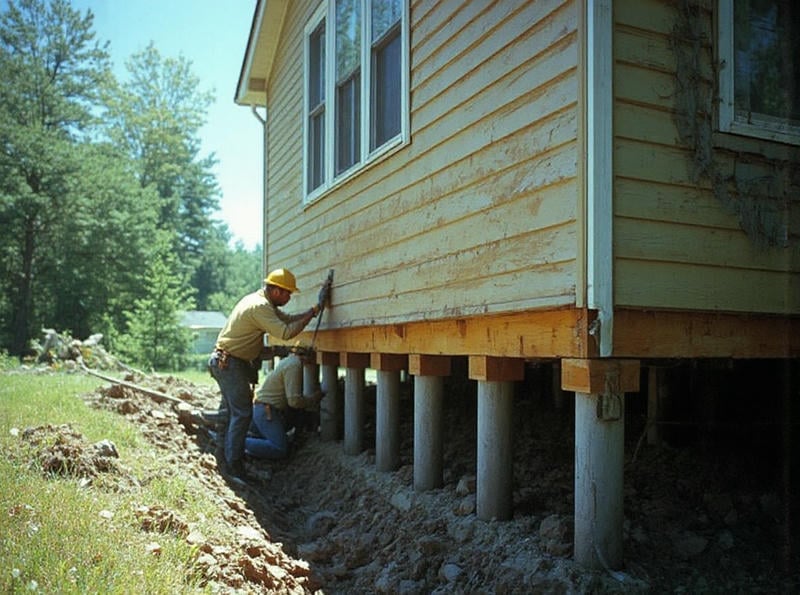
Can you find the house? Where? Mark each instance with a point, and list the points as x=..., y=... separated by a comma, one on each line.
x=205, y=326
x=598, y=184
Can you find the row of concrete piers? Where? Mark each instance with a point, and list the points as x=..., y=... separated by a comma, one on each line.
x=598, y=385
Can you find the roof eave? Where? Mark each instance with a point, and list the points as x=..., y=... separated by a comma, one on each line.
x=262, y=44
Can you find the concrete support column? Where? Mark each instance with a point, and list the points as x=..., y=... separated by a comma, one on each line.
x=354, y=413
x=310, y=378
x=330, y=410
x=599, y=387
x=494, y=485
x=387, y=412
x=428, y=372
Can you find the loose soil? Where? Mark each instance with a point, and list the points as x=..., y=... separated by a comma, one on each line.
x=696, y=521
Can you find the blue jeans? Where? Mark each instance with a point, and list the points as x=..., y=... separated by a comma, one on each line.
x=268, y=436
x=234, y=383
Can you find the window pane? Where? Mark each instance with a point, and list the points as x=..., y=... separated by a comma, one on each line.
x=348, y=123
x=316, y=108
x=348, y=37
x=316, y=67
x=386, y=90
x=348, y=82
x=316, y=147
x=385, y=13
x=767, y=60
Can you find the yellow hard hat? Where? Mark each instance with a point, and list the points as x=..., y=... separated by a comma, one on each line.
x=282, y=278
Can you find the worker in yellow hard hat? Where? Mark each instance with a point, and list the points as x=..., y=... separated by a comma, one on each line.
x=235, y=360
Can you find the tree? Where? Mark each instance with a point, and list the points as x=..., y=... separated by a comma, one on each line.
x=156, y=118
x=155, y=338
x=52, y=71
x=240, y=275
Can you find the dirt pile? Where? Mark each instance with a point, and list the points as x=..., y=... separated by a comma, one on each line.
x=330, y=522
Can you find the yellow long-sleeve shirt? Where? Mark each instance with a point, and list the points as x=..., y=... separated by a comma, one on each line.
x=252, y=317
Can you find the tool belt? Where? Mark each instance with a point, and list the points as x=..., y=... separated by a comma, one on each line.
x=270, y=411
x=223, y=360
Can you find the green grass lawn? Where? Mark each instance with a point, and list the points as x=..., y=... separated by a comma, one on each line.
x=59, y=535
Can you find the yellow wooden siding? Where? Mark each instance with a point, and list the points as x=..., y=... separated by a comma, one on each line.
x=477, y=214
x=675, y=244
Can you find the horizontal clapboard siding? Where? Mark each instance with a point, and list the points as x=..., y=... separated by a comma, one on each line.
x=675, y=245
x=478, y=213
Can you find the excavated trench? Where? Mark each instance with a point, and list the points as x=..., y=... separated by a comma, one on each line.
x=705, y=510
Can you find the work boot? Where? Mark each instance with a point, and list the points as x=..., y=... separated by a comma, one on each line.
x=236, y=472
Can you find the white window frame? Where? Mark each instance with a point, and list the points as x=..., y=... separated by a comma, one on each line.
x=762, y=127
x=327, y=12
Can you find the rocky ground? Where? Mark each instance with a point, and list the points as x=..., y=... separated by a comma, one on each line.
x=696, y=520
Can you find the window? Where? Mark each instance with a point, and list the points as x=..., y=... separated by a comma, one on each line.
x=759, y=82
x=363, y=66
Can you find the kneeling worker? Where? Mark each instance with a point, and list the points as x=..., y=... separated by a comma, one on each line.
x=276, y=400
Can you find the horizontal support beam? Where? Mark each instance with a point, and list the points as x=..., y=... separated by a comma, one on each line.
x=496, y=369
x=533, y=334
x=663, y=334
x=597, y=376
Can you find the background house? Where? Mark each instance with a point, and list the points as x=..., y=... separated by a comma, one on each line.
x=205, y=326
x=600, y=185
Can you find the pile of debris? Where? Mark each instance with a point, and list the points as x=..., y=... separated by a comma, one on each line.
x=63, y=350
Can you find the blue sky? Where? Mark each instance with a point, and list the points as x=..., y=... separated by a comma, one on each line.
x=212, y=34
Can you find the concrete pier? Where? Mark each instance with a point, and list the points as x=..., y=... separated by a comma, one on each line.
x=599, y=387
x=354, y=413
x=428, y=372
x=495, y=456
x=599, y=464
x=387, y=410
x=330, y=410
x=494, y=485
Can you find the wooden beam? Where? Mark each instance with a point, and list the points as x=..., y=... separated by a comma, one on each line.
x=348, y=359
x=663, y=334
x=500, y=369
x=388, y=362
x=428, y=365
x=535, y=334
x=595, y=376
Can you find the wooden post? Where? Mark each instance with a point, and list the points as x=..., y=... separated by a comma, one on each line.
x=387, y=413
x=494, y=485
x=354, y=364
x=599, y=386
x=428, y=372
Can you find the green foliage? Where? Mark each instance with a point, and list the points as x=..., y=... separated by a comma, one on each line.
x=91, y=171
x=238, y=274
x=155, y=337
x=52, y=70
x=62, y=537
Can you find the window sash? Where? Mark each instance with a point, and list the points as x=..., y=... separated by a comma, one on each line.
x=315, y=108
x=365, y=70
x=741, y=110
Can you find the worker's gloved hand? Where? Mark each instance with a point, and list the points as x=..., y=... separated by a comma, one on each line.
x=324, y=296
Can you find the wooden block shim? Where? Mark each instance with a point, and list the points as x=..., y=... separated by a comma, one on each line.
x=592, y=376
x=327, y=358
x=349, y=359
x=496, y=369
x=388, y=362
x=428, y=365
